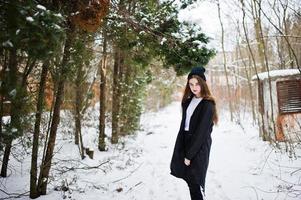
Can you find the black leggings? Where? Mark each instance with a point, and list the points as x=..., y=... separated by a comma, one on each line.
x=196, y=191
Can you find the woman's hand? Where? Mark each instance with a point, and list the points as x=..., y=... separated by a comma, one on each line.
x=186, y=162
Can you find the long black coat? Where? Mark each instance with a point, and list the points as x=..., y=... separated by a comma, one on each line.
x=194, y=145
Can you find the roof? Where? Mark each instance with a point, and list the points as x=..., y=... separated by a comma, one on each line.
x=277, y=73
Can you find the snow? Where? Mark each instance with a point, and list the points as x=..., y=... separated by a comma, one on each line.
x=277, y=73
x=200, y=44
x=7, y=43
x=57, y=26
x=29, y=19
x=163, y=40
x=204, y=13
x=58, y=15
x=13, y=93
x=41, y=7
x=144, y=21
x=141, y=32
x=242, y=166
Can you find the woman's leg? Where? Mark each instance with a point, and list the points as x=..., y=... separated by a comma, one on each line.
x=195, y=191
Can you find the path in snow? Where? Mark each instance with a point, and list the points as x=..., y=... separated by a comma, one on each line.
x=242, y=167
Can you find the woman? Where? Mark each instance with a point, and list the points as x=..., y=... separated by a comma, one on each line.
x=191, y=152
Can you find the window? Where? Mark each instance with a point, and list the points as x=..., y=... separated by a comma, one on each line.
x=289, y=96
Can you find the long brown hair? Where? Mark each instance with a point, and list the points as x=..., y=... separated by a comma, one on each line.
x=205, y=94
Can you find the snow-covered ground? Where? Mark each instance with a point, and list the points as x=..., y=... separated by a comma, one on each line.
x=242, y=167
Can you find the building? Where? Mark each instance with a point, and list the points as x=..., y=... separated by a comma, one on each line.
x=279, y=98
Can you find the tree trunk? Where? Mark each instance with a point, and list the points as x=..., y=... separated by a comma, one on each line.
x=35, y=147
x=46, y=164
x=279, y=43
x=279, y=40
x=78, y=105
x=78, y=113
x=1, y=116
x=261, y=121
x=2, y=99
x=102, y=95
x=77, y=119
x=125, y=112
x=118, y=60
x=265, y=59
x=237, y=102
x=225, y=63
x=82, y=148
x=257, y=27
x=12, y=85
x=249, y=84
x=286, y=33
x=6, y=158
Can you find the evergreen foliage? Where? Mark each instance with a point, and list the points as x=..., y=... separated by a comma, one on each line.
x=30, y=28
x=144, y=31
x=148, y=31
x=29, y=33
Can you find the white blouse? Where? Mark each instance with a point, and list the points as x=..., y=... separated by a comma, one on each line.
x=192, y=105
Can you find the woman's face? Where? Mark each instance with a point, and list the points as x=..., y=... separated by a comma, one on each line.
x=195, y=87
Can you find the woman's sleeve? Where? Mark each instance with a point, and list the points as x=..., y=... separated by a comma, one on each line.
x=202, y=131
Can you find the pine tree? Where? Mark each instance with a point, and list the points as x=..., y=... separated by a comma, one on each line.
x=29, y=35
x=141, y=32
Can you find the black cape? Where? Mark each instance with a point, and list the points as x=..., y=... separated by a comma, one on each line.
x=194, y=145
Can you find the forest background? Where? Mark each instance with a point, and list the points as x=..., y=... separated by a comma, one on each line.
x=128, y=57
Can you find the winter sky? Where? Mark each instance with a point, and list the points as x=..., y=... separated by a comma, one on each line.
x=205, y=14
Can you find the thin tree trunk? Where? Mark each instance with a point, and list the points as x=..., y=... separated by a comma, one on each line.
x=279, y=41
x=1, y=116
x=2, y=99
x=238, y=102
x=6, y=158
x=55, y=88
x=249, y=84
x=125, y=115
x=28, y=70
x=35, y=147
x=225, y=63
x=46, y=164
x=270, y=84
x=102, y=95
x=12, y=65
x=78, y=105
x=78, y=113
x=116, y=96
x=266, y=62
x=82, y=148
x=16, y=102
x=262, y=125
x=290, y=53
x=259, y=39
x=77, y=120
x=43, y=180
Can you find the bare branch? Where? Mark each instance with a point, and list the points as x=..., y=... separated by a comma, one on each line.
x=128, y=175
x=13, y=195
x=286, y=39
x=64, y=169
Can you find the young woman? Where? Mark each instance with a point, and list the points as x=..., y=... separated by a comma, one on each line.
x=191, y=152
